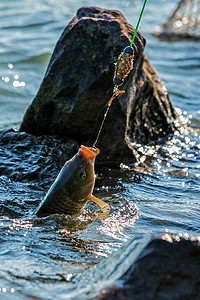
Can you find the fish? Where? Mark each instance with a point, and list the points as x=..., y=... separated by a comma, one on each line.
x=73, y=186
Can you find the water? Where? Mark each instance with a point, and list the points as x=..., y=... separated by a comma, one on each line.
x=38, y=258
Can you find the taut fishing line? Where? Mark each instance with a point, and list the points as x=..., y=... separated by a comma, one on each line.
x=123, y=66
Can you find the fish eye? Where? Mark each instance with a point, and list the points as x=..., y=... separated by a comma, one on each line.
x=83, y=175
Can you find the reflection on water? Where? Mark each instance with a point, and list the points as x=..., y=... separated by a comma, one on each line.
x=13, y=80
x=40, y=256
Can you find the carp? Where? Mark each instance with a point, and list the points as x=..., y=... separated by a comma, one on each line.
x=73, y=186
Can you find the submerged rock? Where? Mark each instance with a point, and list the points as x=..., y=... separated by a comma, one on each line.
x=167, y=267
x=78, y=83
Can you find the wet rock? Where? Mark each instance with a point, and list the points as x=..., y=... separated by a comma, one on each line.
x=183, y=24
x=78, y=83
x=167, y=268
x=28, y=158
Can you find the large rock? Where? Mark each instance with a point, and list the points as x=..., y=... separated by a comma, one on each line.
x=73, y=96
x=168, y=268
x=162, y=267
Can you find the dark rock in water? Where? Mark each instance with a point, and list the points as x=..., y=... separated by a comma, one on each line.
x=25, y=157
x=78, y=83
x=183, y=24
x=167, y=268
x=147, y=267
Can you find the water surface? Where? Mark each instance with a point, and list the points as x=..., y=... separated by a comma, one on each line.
x=39, y=257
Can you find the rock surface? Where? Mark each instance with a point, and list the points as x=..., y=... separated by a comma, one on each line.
x=73, y=96
x=183, y=24
x=167, y=267
x=28, y=158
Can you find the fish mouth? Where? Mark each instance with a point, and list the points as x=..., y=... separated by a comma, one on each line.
x=89, y=153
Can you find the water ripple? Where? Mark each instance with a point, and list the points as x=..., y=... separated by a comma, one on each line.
x=40, y=256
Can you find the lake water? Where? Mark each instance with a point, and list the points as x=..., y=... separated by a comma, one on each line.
x=39, y=257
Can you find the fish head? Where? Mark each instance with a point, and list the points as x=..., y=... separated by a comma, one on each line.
x=84, y=176
x=86, y=158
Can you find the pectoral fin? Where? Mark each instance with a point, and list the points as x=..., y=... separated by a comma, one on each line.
x=104, y=206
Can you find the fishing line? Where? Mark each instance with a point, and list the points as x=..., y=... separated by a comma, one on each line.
x=126, y=60
x=98, y=134
x=138, y=22
x=116, y=92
